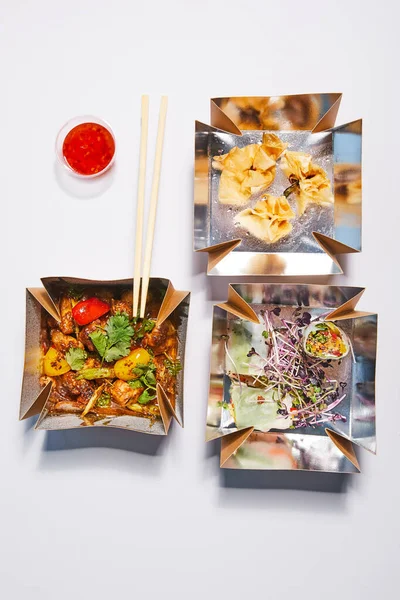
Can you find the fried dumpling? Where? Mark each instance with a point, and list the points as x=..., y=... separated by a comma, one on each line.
x=269, y=219
x=248, y=170
x=237, y=159
x=273, y=145
x=310, y=182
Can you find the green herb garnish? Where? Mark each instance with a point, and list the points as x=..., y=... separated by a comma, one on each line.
x=265, y=334
x=114, y=341
x=142, y=326
x=146, y=380
x=147, y=396
x=76, y=357
x=135, y=384
x=173, y=366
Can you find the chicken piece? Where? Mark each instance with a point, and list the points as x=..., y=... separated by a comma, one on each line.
x=161, y=339
x=119, y=306
x=122, y=393
x=163, y=375
x=84, y=334
x=63, y=342
x=92, y=363
x=68, y=406
x=67, y=322
x=68, y=385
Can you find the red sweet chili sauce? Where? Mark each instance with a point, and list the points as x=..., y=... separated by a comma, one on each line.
x=88, y=148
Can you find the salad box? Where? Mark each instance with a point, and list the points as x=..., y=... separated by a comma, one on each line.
x=292, y=378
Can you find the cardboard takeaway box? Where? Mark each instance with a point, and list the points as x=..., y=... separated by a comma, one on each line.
x=41, y=302
x=326, y=447
x=307, y=123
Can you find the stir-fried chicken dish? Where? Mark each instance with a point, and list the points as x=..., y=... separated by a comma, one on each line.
x=104, y=362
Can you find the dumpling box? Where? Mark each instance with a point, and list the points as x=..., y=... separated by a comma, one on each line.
x=314, y=180
x=43, y=304
x=270, y=403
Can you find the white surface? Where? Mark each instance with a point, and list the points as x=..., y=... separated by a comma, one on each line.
x=107, y=520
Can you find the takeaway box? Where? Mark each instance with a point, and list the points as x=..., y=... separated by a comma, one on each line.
x=89, y=363
x=292, y=378
x=277, y=186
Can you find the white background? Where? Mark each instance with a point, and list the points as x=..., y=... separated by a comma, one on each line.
x=100, y=514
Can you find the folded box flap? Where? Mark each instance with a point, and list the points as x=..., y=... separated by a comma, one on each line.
x=45, y=300
x=347, y=309
x=231, y=442
x=218, y=252
x=220, y=120
x=203, y=128
x=237, y=306
x=350, y=127
x=307, y=112
x=172, y=299
x=333, y=247
x=38, y=403
x=327, y=121
x=33, y=395
x=344, y=445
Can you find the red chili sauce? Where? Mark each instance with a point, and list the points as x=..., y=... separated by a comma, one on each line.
x=88, y=148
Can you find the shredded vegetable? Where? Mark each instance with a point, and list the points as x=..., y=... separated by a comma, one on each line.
x=286, y=371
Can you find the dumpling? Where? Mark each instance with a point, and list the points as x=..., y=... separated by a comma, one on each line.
x=237, y=159
x=310, y=182
x=269, y=219
x=248, y=170
x=273, y=145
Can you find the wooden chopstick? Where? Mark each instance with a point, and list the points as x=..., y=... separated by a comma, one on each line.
x=140, y=203
x=153, y=204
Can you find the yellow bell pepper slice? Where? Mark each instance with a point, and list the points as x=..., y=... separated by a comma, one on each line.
x=123, y=367
x=54, y=363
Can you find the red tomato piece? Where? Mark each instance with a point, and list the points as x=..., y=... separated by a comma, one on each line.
x=89, y=310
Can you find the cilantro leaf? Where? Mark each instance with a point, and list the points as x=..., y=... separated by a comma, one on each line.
x=76, y=357
x=116, y=352
x=135, y=384
x=146, y=397
x=173, y=366
x=99, y=342
x=142, y=327
x=115, y=342
x=119, y=329
x=150, y=378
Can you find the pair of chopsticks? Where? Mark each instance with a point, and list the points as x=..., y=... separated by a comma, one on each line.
x=144, y=278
